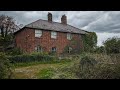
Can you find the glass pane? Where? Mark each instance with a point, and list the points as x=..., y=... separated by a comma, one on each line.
x=53, y=34
x=53, y=49
x=69, y=36
x=35, y=48
x=38, y=33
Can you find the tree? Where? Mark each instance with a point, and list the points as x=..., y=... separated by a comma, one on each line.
x=89, y=41
x=7, y=25
x=5, y=67
x=112, y=45
x=99, y=49
x=7, y=28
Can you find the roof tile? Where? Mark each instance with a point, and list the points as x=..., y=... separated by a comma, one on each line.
x=54, y=26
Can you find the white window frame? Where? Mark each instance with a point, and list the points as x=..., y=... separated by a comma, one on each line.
x=69, y=36
x=53, y=34
x=38, y=49
x=38, y=33
x=69, y=49
x=53, y=49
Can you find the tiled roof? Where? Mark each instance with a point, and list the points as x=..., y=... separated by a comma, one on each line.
x=54, y=26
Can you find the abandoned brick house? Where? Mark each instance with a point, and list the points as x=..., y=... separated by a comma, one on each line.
x=49, y=36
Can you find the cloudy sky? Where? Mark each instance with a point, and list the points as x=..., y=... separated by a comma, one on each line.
x=105, y=23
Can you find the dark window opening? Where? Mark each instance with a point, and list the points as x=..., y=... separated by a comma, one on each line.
x=54, y=49
x=38, y=49
x=69, y=49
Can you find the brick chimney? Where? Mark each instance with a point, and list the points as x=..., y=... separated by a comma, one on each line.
x=49, y=17
x=64, y=20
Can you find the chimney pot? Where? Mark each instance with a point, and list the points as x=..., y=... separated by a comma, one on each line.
x=64, y=19
x=49, y=17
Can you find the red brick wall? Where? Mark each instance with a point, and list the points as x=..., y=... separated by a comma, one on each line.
x=25, y=39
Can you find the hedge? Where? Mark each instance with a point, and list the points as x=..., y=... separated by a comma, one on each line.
x=31, y=58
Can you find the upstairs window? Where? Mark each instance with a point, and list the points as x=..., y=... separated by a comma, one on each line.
x=69, y=36
x=38, y=33
x=38, y=49
x=54, y=35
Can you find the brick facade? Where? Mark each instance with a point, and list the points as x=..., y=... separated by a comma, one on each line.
x=27, y=41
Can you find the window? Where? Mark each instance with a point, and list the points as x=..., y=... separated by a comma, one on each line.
x=54, y=35
x=54, y=49
x=69, y=36
x=38, y=33
x=38, y=49
x=69, y=49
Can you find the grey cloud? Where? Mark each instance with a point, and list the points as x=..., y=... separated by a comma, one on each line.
x=97, y=21
x=109, y=22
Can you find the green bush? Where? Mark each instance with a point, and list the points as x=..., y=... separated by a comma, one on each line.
x=5, y=67
x=107, y=71
x=99, y=49
x=87, y=62
x=36, y=57
x=112, y=45
x=89, y=69
x=52, y=53
x=15, y=51
x=89, y=41
x=40, y=53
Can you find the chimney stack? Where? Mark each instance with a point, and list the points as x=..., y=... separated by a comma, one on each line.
x=49, y=17
x=64, y=20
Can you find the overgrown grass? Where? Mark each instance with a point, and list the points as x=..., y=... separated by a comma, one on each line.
x=46, y=73
x=63, y=71
x=33, y=71
x=107, y=67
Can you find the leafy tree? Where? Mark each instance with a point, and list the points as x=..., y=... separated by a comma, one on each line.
x=5, y=67
x=112, y=45
x=99, y=49
x=90, y=41
x=7, y=28
x=15, y=51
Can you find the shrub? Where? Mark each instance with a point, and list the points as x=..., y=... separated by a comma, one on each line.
x=87, y=62
x=31, y=58
x=5, y=67
x=112, y=45
x=89, y=41
x=107, y=71
x=53, y=53
x=99, y=49
x=40, y=53
x=91, y=70
x=15, y=51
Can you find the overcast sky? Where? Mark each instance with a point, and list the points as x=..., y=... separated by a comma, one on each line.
x=105, y=23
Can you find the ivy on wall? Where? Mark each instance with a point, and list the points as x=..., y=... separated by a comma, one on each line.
x=89, y=41
x=75, y=45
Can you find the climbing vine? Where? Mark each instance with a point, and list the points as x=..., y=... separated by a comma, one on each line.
x=89, y=41
x=75, y=47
